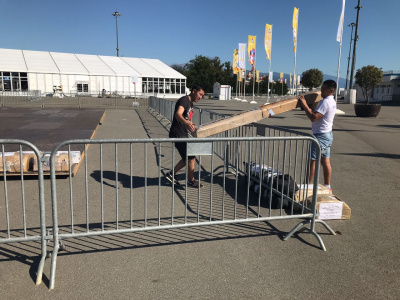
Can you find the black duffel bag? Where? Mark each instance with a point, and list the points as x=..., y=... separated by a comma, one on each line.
x=283, y=183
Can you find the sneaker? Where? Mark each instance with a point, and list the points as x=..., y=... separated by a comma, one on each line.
x=194, y=183
x=168, y=176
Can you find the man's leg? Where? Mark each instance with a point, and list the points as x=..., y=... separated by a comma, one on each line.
x=191, y=169
x=311, y=171
x=181, y=164
x=326, y=166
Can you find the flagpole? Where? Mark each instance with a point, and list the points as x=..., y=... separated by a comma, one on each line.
x=340, y=36
x=239, y=83
x=269, y=73
x=294, y=73
x=236, y=83
x=338, y=68
x=254, y=66
x=244, y=83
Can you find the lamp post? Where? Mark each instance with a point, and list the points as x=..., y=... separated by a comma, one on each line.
x=116, y=15
x=353, y=64
x=348, y=59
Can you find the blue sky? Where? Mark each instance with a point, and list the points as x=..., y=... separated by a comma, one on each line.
x=175, y=31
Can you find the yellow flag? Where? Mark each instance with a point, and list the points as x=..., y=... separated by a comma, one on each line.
x=235, y=61
x=268, y=40
x=252, y=49
x=294, y=26
x=257, y=76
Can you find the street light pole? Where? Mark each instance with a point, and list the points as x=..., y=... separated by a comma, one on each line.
x=348, y=59
x=353, y=64
x=116, y=15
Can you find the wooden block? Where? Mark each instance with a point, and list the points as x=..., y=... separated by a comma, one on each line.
x=13, y=162
x=229, y=123
x=255, y=115
x=330, y=207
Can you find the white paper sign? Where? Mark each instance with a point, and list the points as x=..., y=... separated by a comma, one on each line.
x=329, y=211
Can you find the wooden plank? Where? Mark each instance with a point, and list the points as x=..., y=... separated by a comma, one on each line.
x=254, y=115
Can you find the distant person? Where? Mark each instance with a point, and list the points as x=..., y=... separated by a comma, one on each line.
x=322, y=121
x=182, y=127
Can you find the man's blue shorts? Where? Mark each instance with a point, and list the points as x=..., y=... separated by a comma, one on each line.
x=325, y=141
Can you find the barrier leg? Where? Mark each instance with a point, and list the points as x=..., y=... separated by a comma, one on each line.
x=53, y=264
x=304, y=223
x=40, y=268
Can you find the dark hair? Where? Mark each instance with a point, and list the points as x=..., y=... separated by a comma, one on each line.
x=330, y=84
x=197, y=88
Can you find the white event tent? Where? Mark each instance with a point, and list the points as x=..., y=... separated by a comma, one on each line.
x=25, y=70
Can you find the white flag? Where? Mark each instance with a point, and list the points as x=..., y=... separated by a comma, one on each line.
x=270, y=77
x=340, y=27
x=242, y=56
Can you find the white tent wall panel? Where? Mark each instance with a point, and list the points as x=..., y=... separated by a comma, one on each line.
x=41, y=82
x=48, y=84
x=119, y=85
x=72, y=84
x=94, y=86
x=113, y=84
x=56, y=80
x=65, y=83
x=32, y=82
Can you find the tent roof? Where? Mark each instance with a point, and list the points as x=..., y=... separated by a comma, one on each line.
x=12, y=60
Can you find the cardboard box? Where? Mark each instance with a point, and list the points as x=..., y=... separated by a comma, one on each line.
x=302, y=194
x=12, y=162
x=255, y=115
x=330, y=207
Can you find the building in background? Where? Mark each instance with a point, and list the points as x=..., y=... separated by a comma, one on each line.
x=387, y=90
x=22, y=71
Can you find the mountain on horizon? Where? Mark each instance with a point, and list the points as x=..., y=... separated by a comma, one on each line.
x=276, y=77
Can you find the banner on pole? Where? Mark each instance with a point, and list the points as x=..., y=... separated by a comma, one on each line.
x=298, y=79
x=235, y=61
x=340, y=27
x=242, y=56
x=268, y=40
x=257, y=76
x=252, y=49
x=270, y=77
x=290, y=79
x=281, y=77
x=294, y=26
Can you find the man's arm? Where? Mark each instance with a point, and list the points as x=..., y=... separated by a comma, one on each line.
x=179, y=116
x=312, y=115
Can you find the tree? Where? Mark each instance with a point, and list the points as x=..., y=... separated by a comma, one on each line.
x=278, y=88
x=264, y=85
x=312, y=78
x=207, y=71
x=367, y=78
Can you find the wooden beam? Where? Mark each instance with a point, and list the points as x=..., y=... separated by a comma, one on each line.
x=254, y=115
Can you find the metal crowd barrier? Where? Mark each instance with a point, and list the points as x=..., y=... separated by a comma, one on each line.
x=35, y=99
x=20, y=221
x=123, y=189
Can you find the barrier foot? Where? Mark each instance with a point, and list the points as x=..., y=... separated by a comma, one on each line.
x=53, y=266
x=326, y=226
x=296, y=228
x=321, y=243
x=40, y=269
x=304, y=223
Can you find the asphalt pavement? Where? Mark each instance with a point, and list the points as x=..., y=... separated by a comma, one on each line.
x=242, y=261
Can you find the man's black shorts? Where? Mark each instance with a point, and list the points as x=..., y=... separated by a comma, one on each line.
x=181, y=147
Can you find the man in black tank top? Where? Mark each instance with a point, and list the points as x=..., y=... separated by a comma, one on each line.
x=182, y=127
